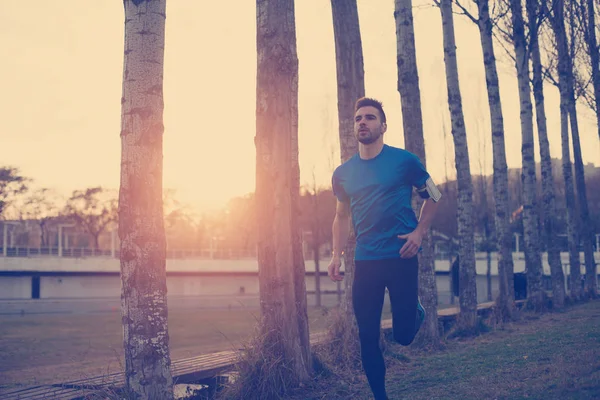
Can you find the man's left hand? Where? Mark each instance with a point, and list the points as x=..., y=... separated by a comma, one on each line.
x=412, y=245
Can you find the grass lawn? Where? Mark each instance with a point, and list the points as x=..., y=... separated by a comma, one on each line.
x=553, y=356
x=45, y=349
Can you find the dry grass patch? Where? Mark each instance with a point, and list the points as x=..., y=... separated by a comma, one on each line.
x=545, y=357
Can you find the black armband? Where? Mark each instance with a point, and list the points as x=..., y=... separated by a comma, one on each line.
x=430, y=191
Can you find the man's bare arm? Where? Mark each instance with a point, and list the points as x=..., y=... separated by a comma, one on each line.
x=432, y=196
x=428, y=211
x=341, y=228
x=340, y=231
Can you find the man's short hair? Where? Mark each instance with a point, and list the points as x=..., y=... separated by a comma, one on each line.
x=369, y=102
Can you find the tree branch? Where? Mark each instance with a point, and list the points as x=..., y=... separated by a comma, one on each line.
x=466, y=13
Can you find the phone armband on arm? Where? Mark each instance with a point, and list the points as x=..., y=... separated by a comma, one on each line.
x=430, y=191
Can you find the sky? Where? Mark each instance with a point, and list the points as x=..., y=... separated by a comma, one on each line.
x=61, y=80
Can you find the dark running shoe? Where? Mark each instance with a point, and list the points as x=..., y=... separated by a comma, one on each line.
x=420, y=316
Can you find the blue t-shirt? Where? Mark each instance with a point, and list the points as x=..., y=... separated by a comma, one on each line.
x=379, y=191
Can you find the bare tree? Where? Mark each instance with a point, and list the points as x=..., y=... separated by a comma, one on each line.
x=12, y=184
x=466, y=251
x=141, y=225
x=593, y=51
x=412, y=121
x=284, y=324
x=350, y=87
x=485, y=24
x=42, y=206
x=93, y=209
x=567, y=93
x=549, y=211
x=535, y=293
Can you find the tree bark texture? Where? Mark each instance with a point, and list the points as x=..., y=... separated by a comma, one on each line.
x=141, y=227
x=281, y=265
x=412, y=119
x=467, y=285
x=533, y=259
x=550, y=229
x=350, y=87
x=503, y=234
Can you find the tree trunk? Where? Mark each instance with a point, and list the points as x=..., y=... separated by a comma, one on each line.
x=317, y=275
x=489, y=274
x=284, y=322
x=141, y=227
x=450, y=275
x=594, y=53
x=533, y=260
x=565, y=77
x=587, y=233
x=316, y=243
x=504, y=302
x=466, y=252
x=412, y=120
x=350, y=87
x=301, y=317
x=550, y=229
x=587, y=230
x=572, y=223
x=96, y=238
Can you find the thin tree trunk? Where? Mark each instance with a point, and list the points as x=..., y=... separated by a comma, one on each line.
x=504, y=302
x=533, y=260
x=450, y=275
x=572, y=223
x=316, y=242
x=550, y=229
x=587, y=233
x=412, y=120
x=594, y=53
x=350, y=87
x=141, y=226
x=317, y=274
x=489, y=275
x=301, y=317
x=284, y=322
x=566, y=81
x=468, y=284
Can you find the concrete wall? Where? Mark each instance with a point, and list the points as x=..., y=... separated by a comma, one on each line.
x=107, y=264
x=18, y=285
x=214, y=289
x=15, y=287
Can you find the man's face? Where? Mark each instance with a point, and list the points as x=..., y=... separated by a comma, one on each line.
x=368, y=127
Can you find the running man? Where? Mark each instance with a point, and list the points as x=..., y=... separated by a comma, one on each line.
x=374, y=187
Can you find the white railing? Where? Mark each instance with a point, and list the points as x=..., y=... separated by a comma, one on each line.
x=81, y=252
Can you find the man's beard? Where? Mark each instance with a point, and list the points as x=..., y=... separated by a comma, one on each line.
x=372, y=138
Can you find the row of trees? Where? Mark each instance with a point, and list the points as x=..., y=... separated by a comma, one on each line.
x=232, y=228
x=92, y=210
x=520, y=33
x=284, y=340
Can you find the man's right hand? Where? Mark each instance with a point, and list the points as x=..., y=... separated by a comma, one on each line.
x=334, y=269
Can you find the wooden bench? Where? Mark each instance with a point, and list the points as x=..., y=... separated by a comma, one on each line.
x=187, y=370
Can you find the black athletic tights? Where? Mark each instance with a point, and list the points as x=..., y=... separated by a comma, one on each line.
x=371, y=278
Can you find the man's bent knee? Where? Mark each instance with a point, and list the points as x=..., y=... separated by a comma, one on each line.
x=404, y=338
